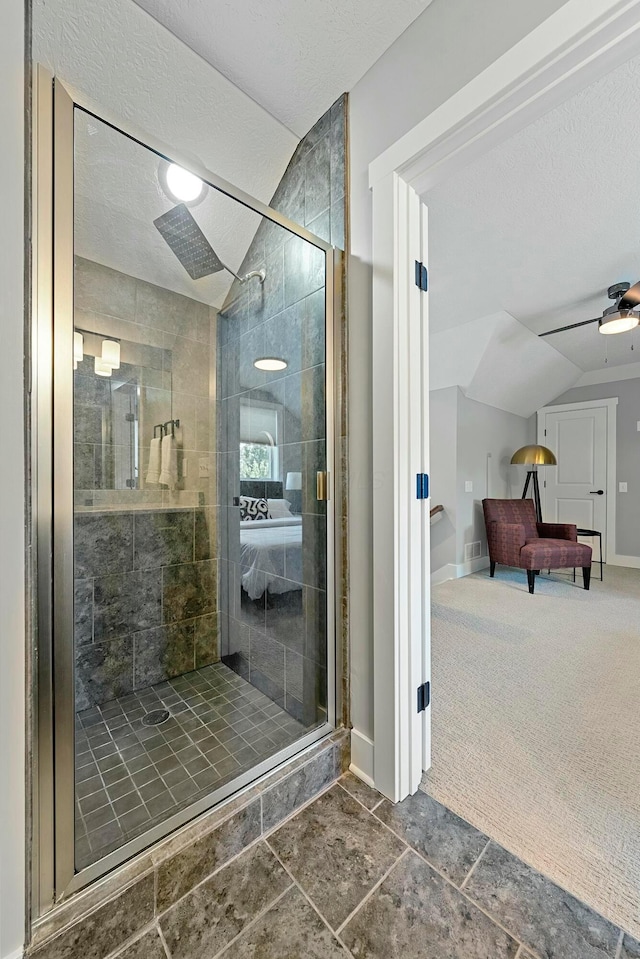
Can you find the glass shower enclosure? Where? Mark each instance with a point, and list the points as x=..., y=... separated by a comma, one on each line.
x=192, y=637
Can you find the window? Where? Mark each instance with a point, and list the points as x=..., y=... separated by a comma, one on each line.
x=260, y=428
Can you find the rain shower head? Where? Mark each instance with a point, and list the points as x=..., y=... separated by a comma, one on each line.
x=185, y=238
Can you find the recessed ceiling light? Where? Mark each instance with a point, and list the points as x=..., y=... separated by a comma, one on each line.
x=179, y=184
x=270, y=363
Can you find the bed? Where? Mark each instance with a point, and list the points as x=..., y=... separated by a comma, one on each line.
x=271, y=555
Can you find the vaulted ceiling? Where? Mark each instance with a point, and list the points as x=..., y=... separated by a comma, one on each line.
x=293, y=57
x=540, y=226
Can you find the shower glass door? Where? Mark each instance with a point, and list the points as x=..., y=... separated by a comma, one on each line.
x=195, y=361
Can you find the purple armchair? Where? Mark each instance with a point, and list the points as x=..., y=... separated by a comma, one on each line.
x=516, y=539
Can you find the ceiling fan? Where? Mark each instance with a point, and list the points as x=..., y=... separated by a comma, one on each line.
x=618, y=318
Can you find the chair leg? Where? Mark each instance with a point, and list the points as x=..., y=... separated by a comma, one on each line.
x=531, y=577
x=492, y=569
x=586, y=576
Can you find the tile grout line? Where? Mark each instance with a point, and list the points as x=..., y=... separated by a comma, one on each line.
x=254, y=842
x=450, y=882
x=374, y=888
x=475, y=863
x=360, y=803
x=254, y=921
x=164, y=941
x=334, y=932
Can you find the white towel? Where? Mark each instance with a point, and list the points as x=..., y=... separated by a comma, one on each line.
x=153, y=470
x=169, y=471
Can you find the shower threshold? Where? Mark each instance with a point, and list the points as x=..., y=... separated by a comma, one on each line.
x=131, y=776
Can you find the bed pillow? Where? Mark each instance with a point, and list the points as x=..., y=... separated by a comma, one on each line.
x=279, y=508
x=253, y=509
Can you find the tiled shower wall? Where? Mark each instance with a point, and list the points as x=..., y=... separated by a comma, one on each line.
x=278, y=643
x=145, y=559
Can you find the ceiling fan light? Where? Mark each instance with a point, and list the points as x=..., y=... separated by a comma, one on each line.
x=620, y=322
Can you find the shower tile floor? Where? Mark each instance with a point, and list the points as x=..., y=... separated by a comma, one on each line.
x=129, y=777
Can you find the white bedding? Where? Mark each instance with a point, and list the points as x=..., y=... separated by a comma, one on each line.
x=271, y=555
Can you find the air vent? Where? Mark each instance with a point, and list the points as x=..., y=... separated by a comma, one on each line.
x=472, y=551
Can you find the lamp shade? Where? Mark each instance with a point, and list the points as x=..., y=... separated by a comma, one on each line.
x=294, y=481
x=534, y=456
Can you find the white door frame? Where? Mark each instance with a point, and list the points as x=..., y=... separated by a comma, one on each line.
x=611, y=406
x=582, y=41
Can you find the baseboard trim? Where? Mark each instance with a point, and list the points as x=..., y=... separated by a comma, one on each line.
x=632, y=562
x=458, y=570
x=362, y=757
x=16, y=954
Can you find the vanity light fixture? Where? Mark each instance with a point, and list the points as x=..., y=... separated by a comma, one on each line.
x=78, y=349
x=272, y=364
x=179, y=184
x=111, y=354
x=101, y=368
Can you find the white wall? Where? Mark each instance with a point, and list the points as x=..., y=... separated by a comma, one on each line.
x=470, y=441
x=12, y=597
x=445, y=48
x=628, y=454
x=487, y=438
x=443, y=454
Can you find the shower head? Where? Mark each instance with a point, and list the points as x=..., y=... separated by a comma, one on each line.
x=185, y=238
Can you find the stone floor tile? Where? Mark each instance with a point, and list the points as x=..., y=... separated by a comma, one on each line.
x=416, y=913
x=289, y=930
x=544, y=917
x=630, y=948
x=448, y=842
x=206, y=920
x=148, y=946
x=105, y=929
x=365, y=794
x=188, y=867
x=337, y=851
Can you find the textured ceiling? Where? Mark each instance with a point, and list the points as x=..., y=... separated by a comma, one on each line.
x=135, y=70
x=543, y=224
x=294, y=58
x=117, y=198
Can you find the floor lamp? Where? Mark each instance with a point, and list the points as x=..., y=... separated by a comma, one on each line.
x=533, y=457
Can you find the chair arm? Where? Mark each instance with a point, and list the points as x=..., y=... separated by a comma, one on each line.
x=505, y=540
x=558, y=531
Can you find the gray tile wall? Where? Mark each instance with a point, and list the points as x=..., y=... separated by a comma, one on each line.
x=146, y=580
x=145, y=599
x=278, y=642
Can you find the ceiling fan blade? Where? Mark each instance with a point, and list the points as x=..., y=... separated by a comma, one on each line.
x=631, y=298
x=572, y=326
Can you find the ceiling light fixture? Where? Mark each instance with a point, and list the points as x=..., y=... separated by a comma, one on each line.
x=270, y=363
x=619, y=322
x=179, y=184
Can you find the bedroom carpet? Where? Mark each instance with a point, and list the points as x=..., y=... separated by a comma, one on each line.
x=536, y=725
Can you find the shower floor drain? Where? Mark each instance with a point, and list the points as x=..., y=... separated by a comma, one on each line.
x=156, y=717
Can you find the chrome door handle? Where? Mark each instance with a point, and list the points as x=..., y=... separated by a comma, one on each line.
x=599, y=492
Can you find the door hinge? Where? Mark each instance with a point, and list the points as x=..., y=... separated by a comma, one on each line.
x=130, y=417
x=130, y=484
x=545, y=432
x=424, y=696
x=422, y=486
x=422, y=277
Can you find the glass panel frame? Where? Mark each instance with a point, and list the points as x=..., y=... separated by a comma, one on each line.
x=54, y=875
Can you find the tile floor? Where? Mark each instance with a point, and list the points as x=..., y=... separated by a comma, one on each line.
x=129, y=777
x=352, y=875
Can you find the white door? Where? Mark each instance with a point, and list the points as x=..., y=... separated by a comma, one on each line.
x=575, y=491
